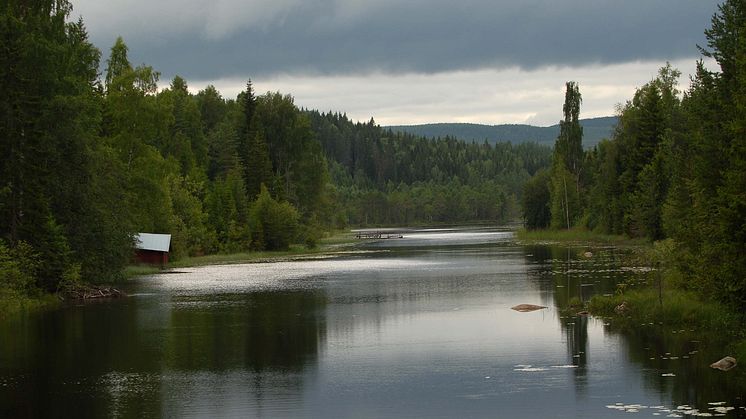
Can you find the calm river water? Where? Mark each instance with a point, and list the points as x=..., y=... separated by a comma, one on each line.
x=413, y=327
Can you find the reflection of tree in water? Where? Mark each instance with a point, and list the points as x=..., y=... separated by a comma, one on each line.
x=263, y=342
x=256, y=332
x=566, y=274
x=81, y=359
x=562, y=270
x=576, y=334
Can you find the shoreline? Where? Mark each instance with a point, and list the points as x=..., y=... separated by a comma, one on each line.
x=671, y=306
x=339, y=242
x=576, y=236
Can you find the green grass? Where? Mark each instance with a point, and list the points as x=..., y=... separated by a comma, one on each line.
x=138, y=270
x=676, y=309
x=575, y=235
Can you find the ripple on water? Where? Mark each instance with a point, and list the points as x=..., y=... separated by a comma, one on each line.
x=253, y=277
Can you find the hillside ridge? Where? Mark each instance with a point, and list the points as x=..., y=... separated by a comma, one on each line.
x=594, y=130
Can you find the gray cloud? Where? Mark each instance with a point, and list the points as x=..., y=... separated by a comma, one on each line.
x=225, y=38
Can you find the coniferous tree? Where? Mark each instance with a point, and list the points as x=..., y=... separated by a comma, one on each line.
x=49, y=125
x=247, y=131
x=257, y=166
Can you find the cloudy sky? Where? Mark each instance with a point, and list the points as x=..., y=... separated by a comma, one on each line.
x=412, y=61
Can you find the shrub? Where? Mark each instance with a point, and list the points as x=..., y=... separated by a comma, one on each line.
x=18, y=268
x=274, y=224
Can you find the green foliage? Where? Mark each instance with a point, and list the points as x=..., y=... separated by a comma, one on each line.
x=385, y=178
x=275, y=224
x=19, y=267
x=49, y=153
x=679, y=309
x=565, y=187
x=675, y=168
x=568, y=150
x=228, y=212
x=258, y=166
x=85, y=163
x=535, y=204
x=565, y=202
x=190, y=233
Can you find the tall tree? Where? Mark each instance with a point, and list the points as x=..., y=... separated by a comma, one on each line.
x=258, y=165
x=50, y=120
x=565, y=188
x=569, y=145
x=246, y=131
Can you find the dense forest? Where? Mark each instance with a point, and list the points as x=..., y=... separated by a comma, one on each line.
x=87, y=160
x=674, y=169
x=382, y=177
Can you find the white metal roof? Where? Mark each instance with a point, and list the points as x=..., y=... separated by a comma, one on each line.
x=149, y=241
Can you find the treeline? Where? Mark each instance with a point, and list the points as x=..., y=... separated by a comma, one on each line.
x=385, y=177
x=674, y=169
x=87, y=160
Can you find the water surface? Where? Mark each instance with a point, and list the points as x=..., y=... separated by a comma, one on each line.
x=417, y=327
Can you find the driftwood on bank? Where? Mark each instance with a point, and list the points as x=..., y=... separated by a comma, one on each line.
x=90, y=292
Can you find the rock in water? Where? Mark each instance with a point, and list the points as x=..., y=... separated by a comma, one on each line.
x=523, y=308
x=724, y=364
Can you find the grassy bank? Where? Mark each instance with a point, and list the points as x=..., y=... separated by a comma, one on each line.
x=671, y=307
x=335, y=242
x=13, y=302
x=674, y=309
x=575, y=236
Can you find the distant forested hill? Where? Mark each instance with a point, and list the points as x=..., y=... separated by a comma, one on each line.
x=594, y=130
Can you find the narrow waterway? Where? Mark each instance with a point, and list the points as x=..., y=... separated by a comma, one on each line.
x=420, y=326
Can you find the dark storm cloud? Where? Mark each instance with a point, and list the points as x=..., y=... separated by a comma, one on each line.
x=260, y=38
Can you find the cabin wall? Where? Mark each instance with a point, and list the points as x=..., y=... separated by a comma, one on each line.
x=151, y=257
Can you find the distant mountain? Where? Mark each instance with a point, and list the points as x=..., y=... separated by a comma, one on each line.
x=594, y=130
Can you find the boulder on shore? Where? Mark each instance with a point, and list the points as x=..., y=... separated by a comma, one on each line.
x=724, y=364
x=524, y=308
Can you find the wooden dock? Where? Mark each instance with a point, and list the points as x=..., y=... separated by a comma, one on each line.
x=378, y=235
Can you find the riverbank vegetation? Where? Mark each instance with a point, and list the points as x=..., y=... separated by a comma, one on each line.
x=675, y=310
x=577, y=235
x=88, y=160
x=675, y=169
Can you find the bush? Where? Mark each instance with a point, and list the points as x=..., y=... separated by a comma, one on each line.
x=274, y=225
x=18, y=269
